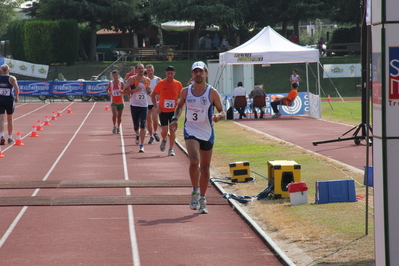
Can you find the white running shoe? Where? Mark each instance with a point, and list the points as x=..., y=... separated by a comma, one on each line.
x=202, y=208
x=141, y=148
x=194, y=203
x=171, y=152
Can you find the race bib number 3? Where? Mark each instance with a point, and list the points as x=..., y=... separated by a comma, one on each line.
x=195, y=115
x=5, y=92
x=170, y=104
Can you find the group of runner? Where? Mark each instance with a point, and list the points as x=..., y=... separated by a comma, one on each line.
x=151, y=96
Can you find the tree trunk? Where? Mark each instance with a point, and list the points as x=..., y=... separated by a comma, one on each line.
x=296, y=29
x=93, y=40
x=160, y=34
x=284, y=29
x=82, y=51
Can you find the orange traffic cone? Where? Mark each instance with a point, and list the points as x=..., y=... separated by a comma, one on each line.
x=106, y=107
x=53, y=117
x=34, y=133
x=69, y=110
x=1, y=153
x=39, y=125
x=18, y=140
x=46, y=121
x=59, y=112
x=329, y=99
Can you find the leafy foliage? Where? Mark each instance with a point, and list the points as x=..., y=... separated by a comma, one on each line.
x=7, y=12
x=16, y=36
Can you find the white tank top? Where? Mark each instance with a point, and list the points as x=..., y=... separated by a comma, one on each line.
x=199, y=111
x=294, y=79
x=139, y=97
x=153, y=83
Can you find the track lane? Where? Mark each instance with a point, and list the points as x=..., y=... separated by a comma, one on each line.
x=166, y=235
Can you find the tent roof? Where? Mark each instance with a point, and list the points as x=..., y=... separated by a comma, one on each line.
x=269, y=47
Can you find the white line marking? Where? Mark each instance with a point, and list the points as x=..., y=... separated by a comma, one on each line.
x=21, y=213
x=132, y=230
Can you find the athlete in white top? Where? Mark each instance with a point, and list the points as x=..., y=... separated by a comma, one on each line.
x=295, y=78
x=139, y=86
x=152, y=117
x=200, y=100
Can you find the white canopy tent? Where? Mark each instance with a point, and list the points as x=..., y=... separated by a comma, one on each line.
x=267, y=48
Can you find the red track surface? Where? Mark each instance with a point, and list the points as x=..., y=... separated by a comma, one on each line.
x=80, y=146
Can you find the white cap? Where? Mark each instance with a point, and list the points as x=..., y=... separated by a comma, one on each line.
x=200, y=65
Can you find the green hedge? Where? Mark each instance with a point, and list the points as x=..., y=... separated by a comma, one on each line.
x=346, y=35
x=15, y=33
x=45, y=42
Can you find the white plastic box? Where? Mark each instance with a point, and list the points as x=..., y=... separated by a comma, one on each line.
x=298, y=198
x=298, y=193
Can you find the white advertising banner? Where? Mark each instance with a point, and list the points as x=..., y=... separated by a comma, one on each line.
x=27, y=69
x=392, y=10
x=342, y=71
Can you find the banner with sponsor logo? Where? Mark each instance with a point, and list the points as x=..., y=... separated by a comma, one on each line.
x=301, y=105
x=342, y=71
x=27, y=69
x=62, y=88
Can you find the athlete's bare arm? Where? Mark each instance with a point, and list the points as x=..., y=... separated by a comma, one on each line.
x=14, y=83
x=179, y=108
x=215, y=98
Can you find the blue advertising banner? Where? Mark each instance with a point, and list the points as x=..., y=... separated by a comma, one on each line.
x=300, y=106
x=95, y=88
x=33, y=88
x=62, y=88
x=1, y=61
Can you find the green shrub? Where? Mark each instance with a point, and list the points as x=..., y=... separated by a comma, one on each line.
x=66, y=42
x=15, y=33
x=38, y=43
x=346, y=35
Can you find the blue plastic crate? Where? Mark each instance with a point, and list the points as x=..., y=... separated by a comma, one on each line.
x=335, y=191
x=369, y=174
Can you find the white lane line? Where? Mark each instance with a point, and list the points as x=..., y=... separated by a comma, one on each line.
x=21, y=213
x=132, y=229
x=19, y=117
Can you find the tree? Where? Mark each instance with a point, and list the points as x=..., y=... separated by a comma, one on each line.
x=203, y=13
x=97, y=13
x=7, y=13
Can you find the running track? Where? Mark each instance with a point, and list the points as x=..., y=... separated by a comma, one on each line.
x=75, y=210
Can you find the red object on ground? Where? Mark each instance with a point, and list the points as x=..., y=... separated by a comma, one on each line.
x=297, y=187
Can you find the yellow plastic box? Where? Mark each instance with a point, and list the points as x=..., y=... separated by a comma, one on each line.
x=240, y=172
x=281, y=173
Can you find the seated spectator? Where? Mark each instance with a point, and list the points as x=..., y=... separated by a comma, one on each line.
x=239, y=91
x=287, y=100
x=257, y=91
